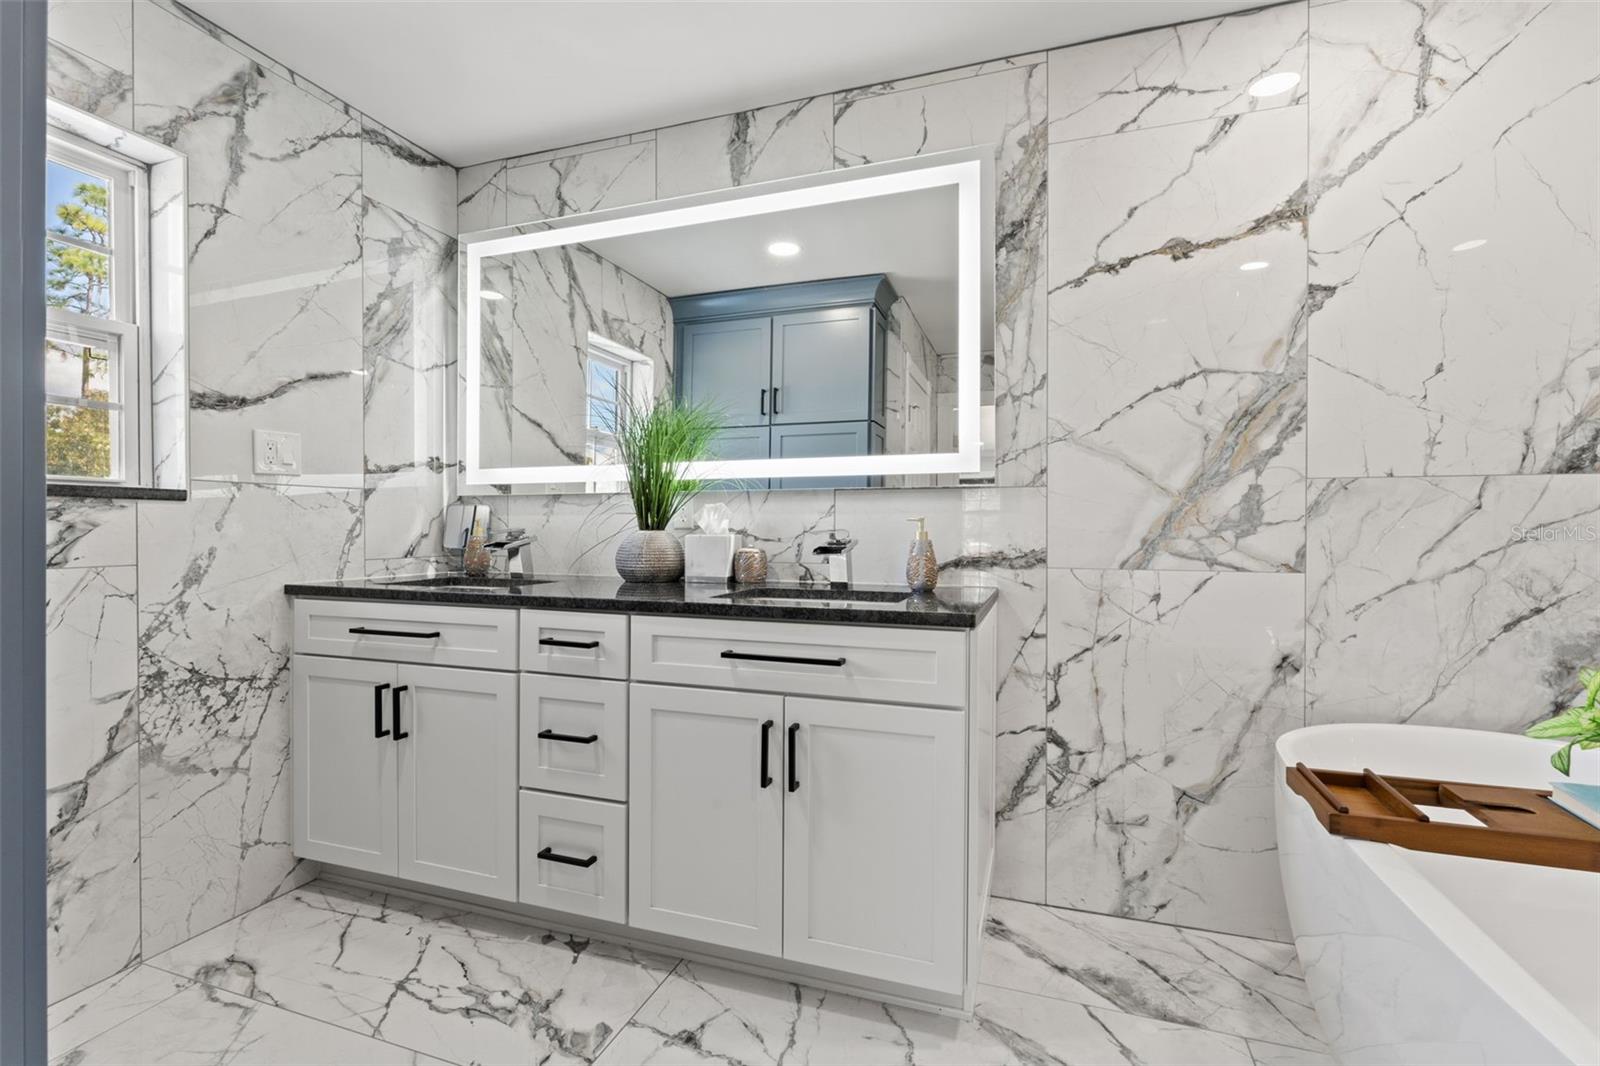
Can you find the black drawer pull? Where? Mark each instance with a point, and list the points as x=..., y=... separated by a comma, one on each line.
x=766, y=770
x=366, y=632
x=763, y=401
x=552, y=642
x=794, y=778
x=800, y=660
x=399, y=734
x=378, y=731
x=551, y=734
x=567, y=860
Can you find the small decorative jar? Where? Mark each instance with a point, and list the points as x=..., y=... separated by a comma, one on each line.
x=749, y=566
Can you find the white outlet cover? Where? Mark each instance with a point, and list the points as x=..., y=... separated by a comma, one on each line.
x=277, y=452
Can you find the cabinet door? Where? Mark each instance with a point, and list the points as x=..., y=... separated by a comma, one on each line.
x=740, y=442
x=458, y=779
x=705, y=852
x=728, y=365
x=343, y=763
x=822, y=365
x=873, y=841
x=825, y=441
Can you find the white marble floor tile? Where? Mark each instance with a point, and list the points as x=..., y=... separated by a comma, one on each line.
x=204, y=1025
x=457, y=985
x=1230, y=984
x=87, y=1014
x=1268, y=1054
x=705, y=1014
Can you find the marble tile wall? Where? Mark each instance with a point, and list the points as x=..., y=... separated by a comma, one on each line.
x=323, y=302
x=1260, y=421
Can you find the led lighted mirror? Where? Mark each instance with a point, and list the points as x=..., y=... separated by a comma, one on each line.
x=840, y=326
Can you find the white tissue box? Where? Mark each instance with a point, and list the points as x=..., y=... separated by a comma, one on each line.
x=708, y=556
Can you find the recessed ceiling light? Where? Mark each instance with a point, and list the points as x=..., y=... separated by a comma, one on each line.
x=489, y=294
x=783, y=249
x=1467, y=246
x=1255, y=264
x=1274, y=84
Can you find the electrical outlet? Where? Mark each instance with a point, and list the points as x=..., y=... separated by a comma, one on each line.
x=277, y=452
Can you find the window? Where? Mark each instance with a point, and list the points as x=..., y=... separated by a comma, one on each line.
x=96, y=297
x=615, y=380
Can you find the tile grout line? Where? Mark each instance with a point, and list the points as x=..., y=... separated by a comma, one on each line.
x=642, y=1004
x=55, y=1054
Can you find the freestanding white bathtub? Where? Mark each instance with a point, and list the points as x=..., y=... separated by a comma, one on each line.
x=1416, y=958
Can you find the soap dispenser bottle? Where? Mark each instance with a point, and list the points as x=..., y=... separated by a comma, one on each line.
x=922, y=569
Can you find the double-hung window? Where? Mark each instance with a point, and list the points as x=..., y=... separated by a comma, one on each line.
x=97, y=312
x=616, y=380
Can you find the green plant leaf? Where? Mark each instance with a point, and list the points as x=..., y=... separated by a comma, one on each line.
x=1566, y=724
x=1562, y=760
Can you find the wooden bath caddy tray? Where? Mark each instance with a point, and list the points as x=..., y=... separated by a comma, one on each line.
x=1519, y=824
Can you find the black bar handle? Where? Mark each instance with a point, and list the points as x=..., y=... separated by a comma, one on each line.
x=552, y=642
x=794, y=780
x=774, y=399
x=801, y=660
x=766, y=769
x=551, y=734
x=763, y=401
x=549, y=856
x=378, y=731
x=366, y=632
x=399, y=734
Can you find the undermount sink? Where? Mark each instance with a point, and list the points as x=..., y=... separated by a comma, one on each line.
x=463, y=583
x=817, y=596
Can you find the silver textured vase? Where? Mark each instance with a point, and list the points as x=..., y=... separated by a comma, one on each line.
x=650, y=555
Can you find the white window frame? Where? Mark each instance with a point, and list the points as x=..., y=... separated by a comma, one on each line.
x=126, y=334
x=638, y=379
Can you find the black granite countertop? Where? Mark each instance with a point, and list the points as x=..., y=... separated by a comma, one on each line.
x=877, y=605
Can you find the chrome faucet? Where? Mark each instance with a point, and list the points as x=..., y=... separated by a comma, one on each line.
x=837, y=551
x=515, y=544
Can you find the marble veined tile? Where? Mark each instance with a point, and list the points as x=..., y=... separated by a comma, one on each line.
x=409, y=339
x=107, y=1003
x=1168, y=690
x=481, y=197
x=747, y=147
x=1457, y=601
x=1228, y=984
x=448, y=983
x=214, y=651
x=1197, y=70
x=275, y=250
x=200, y=1025
x=408, y=178
x=1455, y=277
x=1178, y=346
x=578, y=184
x=88, y=84
x=85, y=531
x=1005, y=109
x=91, y=775
x=704, y=1014
x=101, y=30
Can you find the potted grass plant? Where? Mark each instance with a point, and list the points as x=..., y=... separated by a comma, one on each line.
x=652, y=444
x=1579, y=726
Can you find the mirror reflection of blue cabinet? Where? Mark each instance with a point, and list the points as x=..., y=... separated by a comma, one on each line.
x=742, y=442
x=806, y=360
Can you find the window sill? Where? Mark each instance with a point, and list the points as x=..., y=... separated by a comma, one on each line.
x=113, y=492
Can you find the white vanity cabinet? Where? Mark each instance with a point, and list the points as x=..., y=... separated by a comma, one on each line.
x=407, y=770
x=814, y=800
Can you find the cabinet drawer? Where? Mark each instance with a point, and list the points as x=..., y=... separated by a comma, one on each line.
x=860, y=662
x=432, y=634
x=585, y=749
x=571, y=642
x=593, y=836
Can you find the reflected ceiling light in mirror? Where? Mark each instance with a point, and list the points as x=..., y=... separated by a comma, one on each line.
x=489, y=294
x=1467, y=246
x=783, y=249
x=1274, y=84
x=1254, y=264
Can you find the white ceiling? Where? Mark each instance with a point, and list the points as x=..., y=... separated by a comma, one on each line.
x=473, y=80
x=911, y=237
